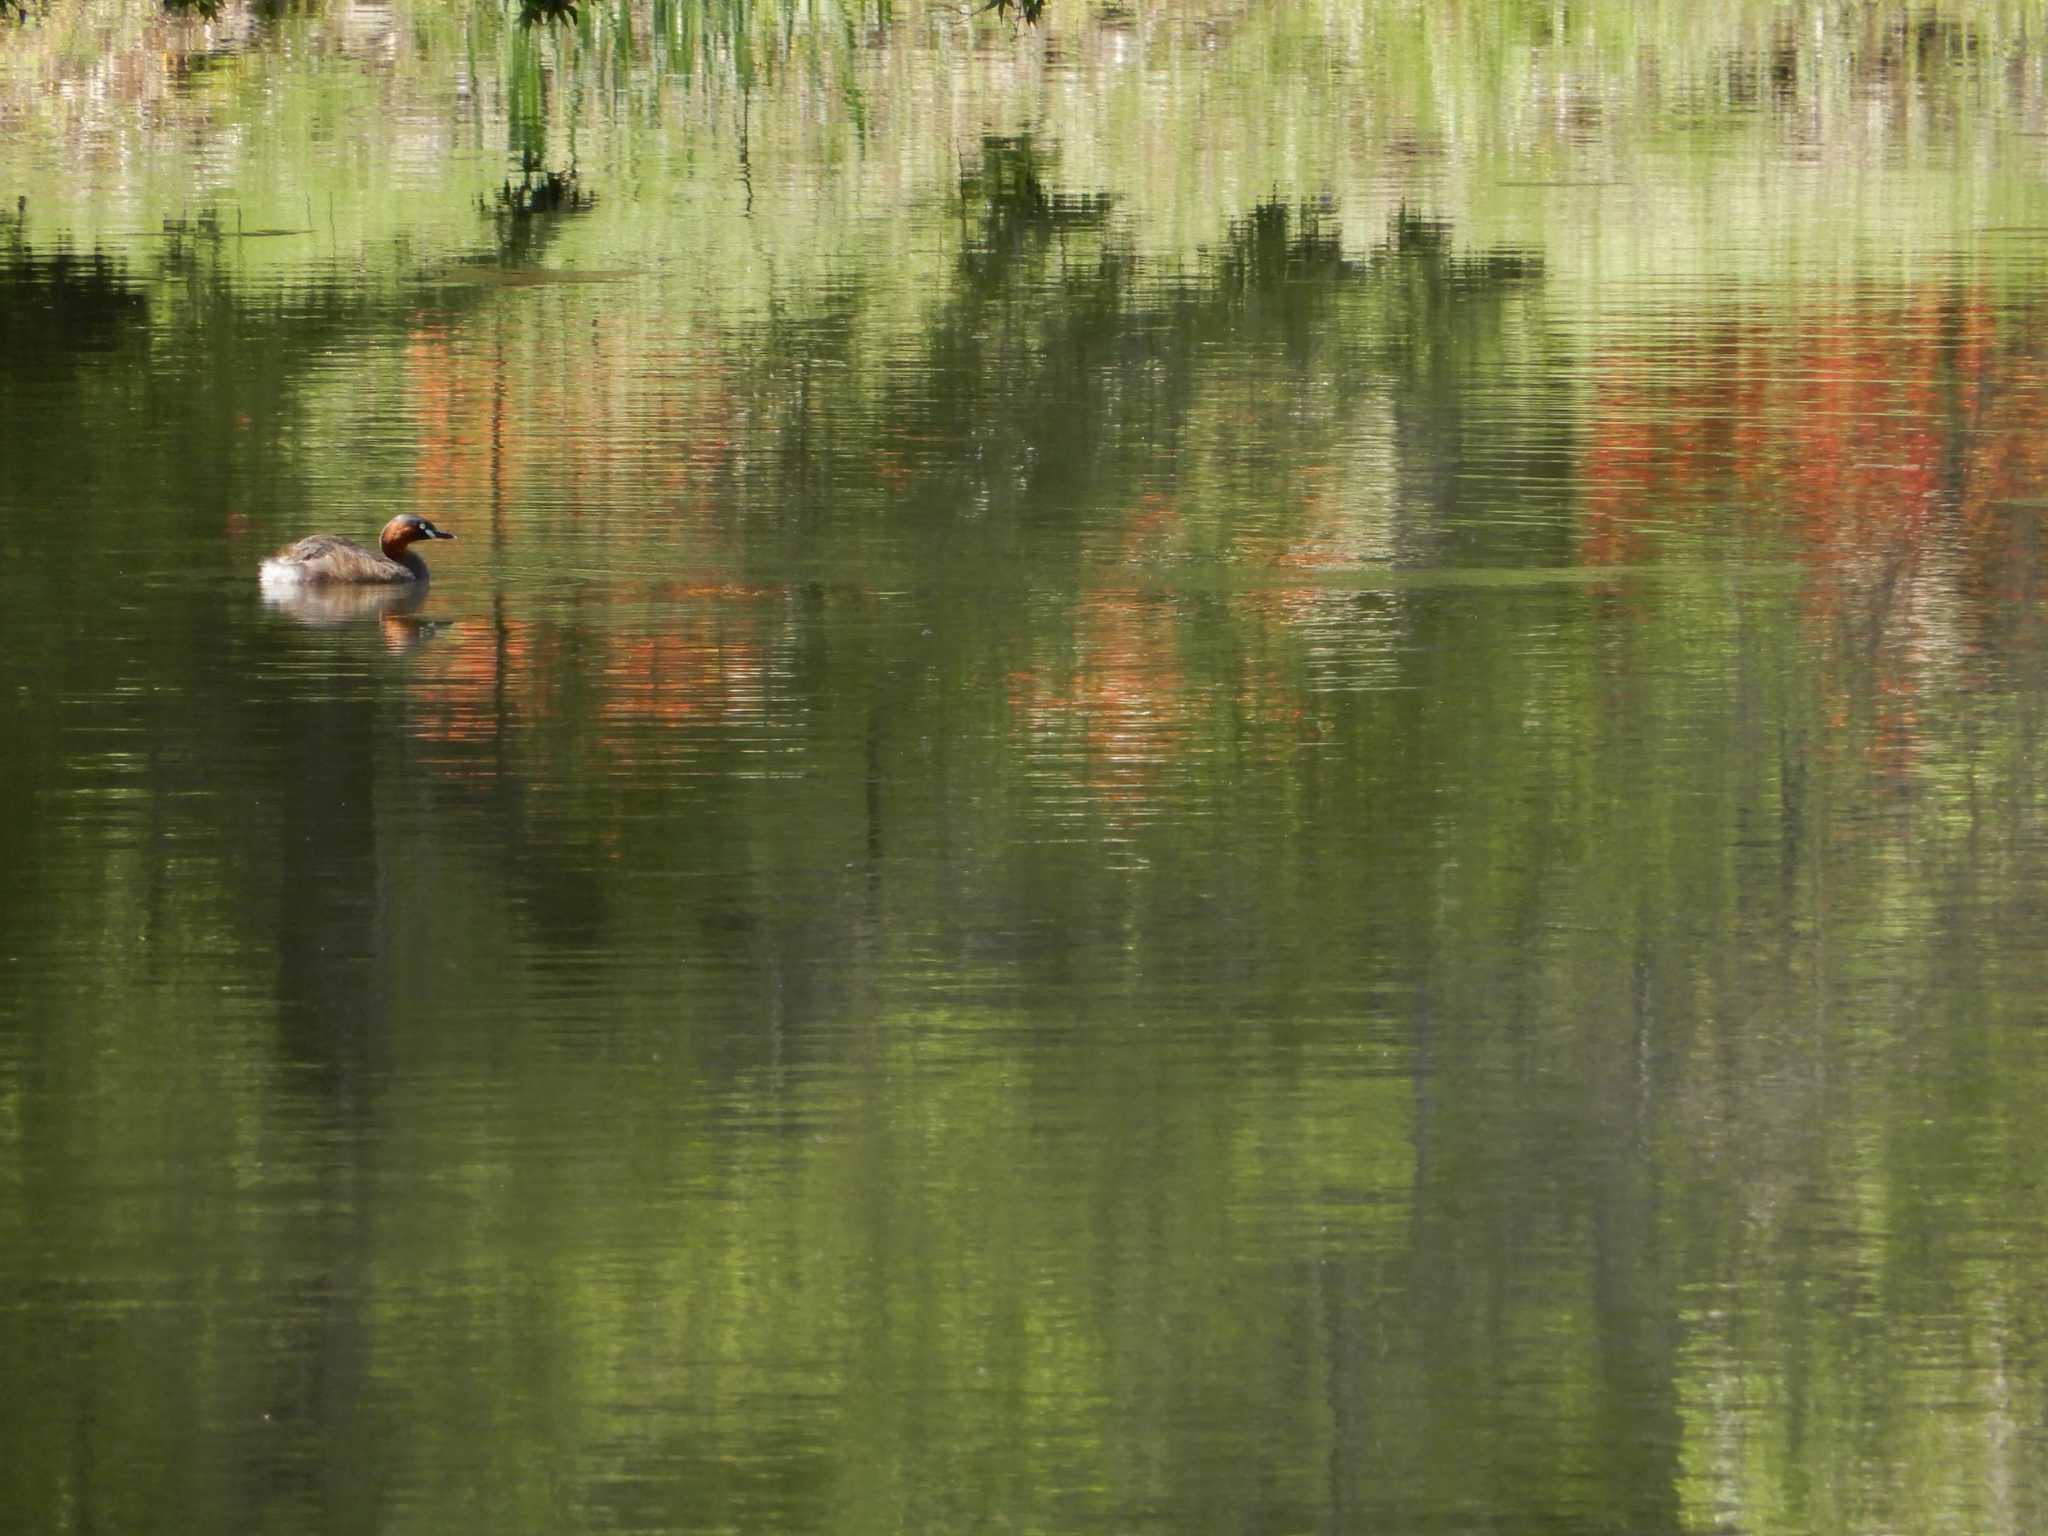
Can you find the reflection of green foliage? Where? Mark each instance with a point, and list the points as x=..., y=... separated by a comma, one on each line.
x=527, y=211
x=56, y=308
x=1020, y=215
x=1278, y=244
x=541, y=192
x=526, y=101
x=536, y=12
x=916, y=1128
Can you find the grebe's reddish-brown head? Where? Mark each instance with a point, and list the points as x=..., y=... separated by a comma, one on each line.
x=407, y=528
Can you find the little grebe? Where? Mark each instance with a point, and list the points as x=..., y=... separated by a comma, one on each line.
x=326, y=557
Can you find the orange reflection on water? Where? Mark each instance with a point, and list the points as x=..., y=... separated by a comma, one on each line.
x=1125, y=707
x=706, y=667
x=1878, y=444
x=1331, y=532
x=458, y=412
x=479, y=681
x=1125, y=704
x=709, y=664
x=498, y=416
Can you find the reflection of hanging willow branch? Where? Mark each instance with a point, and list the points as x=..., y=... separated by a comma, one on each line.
x=1028, y=11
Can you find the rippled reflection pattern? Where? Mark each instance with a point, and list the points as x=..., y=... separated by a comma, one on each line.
x=1203, y=769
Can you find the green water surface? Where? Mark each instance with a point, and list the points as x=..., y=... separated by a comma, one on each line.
x=1215, y=768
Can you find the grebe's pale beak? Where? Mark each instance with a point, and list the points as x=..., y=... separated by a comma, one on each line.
x=434, y=533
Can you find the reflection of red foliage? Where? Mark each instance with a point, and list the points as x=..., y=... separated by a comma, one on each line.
x=493, y=428
x=1126, y=704
x=477, y=680
x=453, y=412
x=504, y=426
x=1319, y=539
x=709, y=665
x=482, y=683
x=1857, y=437
x=1127, y=698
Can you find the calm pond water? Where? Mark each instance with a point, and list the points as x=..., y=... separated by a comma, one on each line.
x=1213, y=768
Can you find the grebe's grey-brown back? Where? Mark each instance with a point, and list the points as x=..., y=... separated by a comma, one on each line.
x=327, y=557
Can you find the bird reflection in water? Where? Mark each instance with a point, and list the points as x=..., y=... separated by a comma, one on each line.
x=332, y=606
